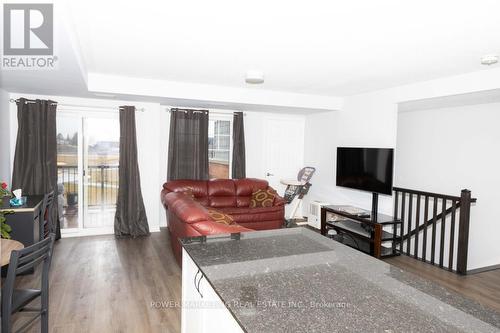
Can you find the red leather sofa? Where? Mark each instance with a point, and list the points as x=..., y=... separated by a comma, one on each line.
x=188, y=216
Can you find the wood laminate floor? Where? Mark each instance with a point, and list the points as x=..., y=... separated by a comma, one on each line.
x=482, y=287
x=101, y=284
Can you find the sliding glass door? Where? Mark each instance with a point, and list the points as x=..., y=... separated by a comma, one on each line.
x=100, y=162
x=88, y=162
x=69, y=163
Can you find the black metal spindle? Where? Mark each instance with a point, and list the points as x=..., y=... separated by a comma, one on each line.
x=417, y=224
x=394, y=227
x=105, y=194
x=426, y=217
x=408, y=239
x=103, y=187
x=452, y=235
x=443, y=231
x=93, y=189
x=403, y=204
x=433, y=239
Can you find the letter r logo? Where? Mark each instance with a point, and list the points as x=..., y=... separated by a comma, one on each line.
x=28, y=29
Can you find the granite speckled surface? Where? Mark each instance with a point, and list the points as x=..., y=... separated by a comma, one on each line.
x=295, y=280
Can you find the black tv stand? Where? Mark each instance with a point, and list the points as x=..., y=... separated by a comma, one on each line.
x=362, y=233
x=374, y=207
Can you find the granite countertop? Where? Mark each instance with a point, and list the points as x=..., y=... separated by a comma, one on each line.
x=295, y=280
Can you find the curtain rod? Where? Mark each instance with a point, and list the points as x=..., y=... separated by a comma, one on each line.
x=202, y=110
x=29, y=101
x=79, y=106
x=180, y=109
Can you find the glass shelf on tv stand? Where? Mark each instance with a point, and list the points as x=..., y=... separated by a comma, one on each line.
x=358, y=232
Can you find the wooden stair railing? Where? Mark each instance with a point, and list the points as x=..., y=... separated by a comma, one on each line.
x=414, y=235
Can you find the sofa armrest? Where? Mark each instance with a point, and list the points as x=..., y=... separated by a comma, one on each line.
x=163, y=198
x=278, y=200
x=185, y=208
x=214, y=228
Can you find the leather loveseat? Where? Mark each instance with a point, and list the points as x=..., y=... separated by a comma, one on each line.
x=187, y=203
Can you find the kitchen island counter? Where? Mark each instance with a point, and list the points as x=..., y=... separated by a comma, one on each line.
x=295, y=280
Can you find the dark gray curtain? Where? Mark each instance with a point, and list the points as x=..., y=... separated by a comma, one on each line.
x=35, y=159
x=188, y=145
x=130, y=216
x=239, y=164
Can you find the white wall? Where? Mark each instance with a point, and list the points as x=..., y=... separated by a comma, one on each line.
x=4, y=137
x=371, y=120
x=446, y=150
x=367, y=120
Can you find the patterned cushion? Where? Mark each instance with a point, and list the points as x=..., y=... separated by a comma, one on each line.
x=220, y=217
x=262, y=198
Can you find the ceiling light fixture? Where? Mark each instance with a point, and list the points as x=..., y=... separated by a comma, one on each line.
x=254, y=77
x=489, y=59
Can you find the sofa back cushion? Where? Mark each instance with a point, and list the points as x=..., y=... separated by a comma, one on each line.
x=197, y=187
x=244, y=189
x=219, y=193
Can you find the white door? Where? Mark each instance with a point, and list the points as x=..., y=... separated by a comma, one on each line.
x=283, y=150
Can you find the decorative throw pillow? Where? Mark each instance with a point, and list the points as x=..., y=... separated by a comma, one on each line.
x=220, y=217
x=262, y=198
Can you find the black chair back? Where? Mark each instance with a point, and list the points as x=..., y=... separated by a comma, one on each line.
x=20, y=262
x=46, y=224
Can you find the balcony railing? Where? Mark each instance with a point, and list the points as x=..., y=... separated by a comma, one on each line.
x=101, y=184
x=219, y=155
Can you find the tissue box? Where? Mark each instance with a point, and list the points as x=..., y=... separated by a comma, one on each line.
x=16, y=202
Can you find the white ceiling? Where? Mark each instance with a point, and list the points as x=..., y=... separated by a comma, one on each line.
x=332, y=48
x=306, y=49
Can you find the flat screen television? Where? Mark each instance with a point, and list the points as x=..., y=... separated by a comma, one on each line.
x=367, y=169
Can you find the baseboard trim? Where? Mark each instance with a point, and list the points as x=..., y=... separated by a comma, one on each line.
x=155, y=229
x=483, y=269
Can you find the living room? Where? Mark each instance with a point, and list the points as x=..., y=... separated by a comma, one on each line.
x=133, y=91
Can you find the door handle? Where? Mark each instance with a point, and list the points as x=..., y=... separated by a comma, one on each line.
x=198, y=287
x=197, y=284
x=195, y=276
x=269, y=174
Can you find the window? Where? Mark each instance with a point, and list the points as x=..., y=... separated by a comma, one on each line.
x=219, y=147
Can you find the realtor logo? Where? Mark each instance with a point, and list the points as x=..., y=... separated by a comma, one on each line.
x=28, y=36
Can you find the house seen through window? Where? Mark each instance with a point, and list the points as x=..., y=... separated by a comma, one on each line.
x=219, y=148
